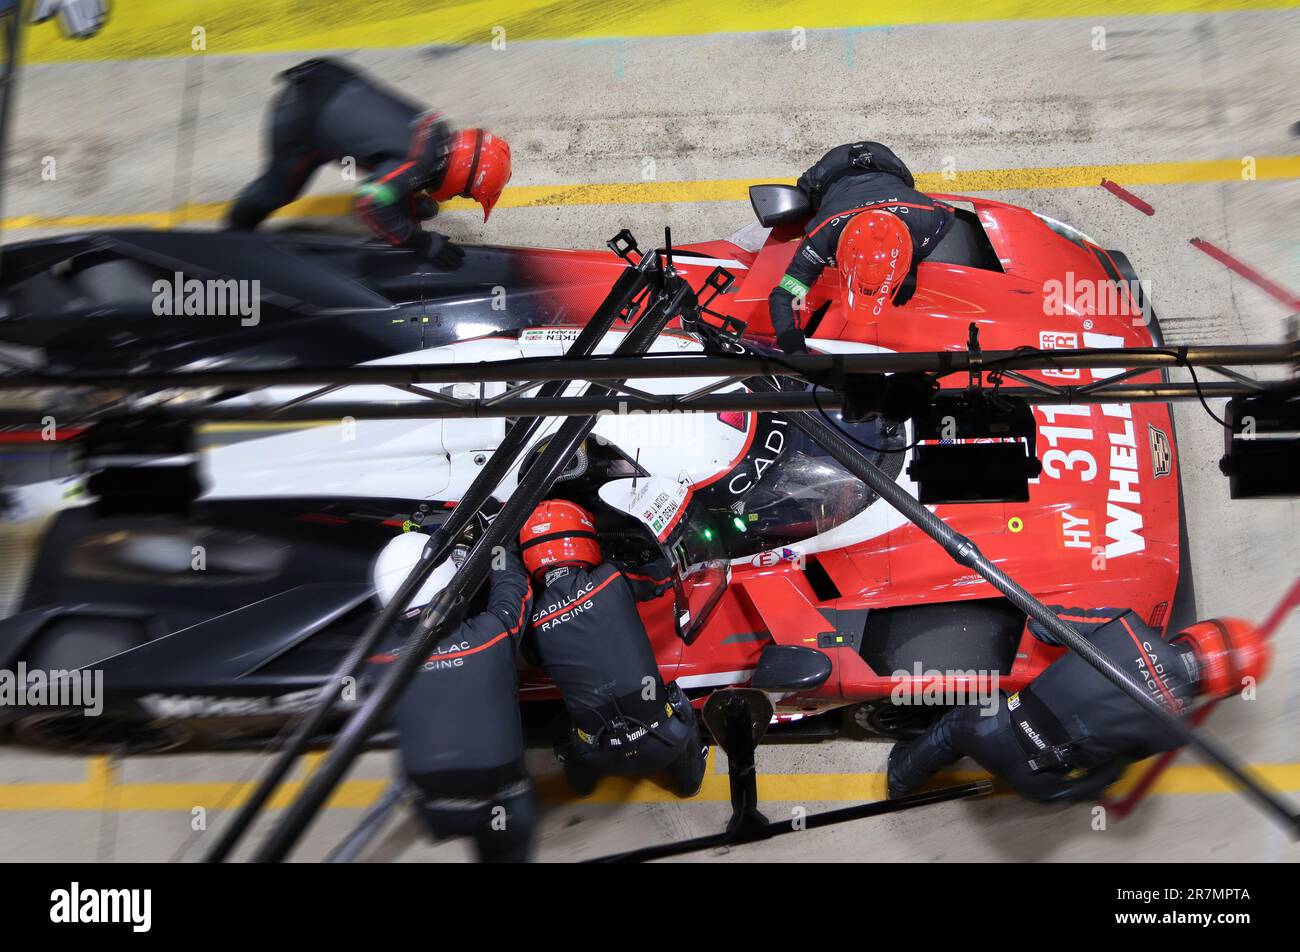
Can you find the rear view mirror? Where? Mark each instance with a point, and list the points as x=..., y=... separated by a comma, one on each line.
x=791, y=668
x=779, y=205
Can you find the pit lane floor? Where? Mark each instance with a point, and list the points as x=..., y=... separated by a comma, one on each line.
x=1174, y=108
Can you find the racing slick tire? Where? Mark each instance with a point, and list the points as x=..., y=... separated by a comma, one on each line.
x=883, y=719
x=71, y=732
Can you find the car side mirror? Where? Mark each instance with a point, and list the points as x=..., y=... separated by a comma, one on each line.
x=791, y=668
x=779, y=205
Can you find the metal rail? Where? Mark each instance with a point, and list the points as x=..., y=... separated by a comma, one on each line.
x=602, y=368
x=561, y=406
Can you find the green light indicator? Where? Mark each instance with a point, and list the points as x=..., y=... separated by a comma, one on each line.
x=708, y=534
x=738, y=522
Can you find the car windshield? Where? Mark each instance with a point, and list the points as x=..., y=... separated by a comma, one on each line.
x=802, y=494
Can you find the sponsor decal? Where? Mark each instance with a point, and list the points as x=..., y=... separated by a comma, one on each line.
x=1059, y=340
x=543, y=334
x=794, y=286
x=566, y=608
x=774, y=556
x=1076, y=528
x=1072, y=456
x=182, y=705
x=1033, y=735
x=1162, y=457
x=762, y=456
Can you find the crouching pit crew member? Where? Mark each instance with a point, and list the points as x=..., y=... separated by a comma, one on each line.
x=1070, y=733
x=329, y=112
x=460, y=737
x=586, y=632
x=871, y=223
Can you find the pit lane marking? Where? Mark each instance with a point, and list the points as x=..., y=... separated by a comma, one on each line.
x=1201, y=172
x=101, y=787
x=154, y=30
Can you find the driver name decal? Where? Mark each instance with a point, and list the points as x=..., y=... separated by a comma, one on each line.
x=659, y=503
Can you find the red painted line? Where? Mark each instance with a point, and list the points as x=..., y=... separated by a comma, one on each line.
x=1123, y=807
x=322, y=519
x=1125, y=195
x=35, y=436
x=1271, y=288
x=1289, y=603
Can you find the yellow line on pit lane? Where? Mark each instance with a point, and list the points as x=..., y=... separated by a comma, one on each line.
x=138, y=29
x=1267, y=168
x=100, y=789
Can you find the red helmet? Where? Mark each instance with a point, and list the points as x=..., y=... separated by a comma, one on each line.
x=559, y=533
x=478, y=167
x=874, y=255
x=1227, y=650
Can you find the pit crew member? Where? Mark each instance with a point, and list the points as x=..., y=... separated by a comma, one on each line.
x=876, y=256
x=460, y=738
x=586, y=632
x=1070, y=733
x=327, y=111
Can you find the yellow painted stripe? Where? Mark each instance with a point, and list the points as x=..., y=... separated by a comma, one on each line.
x=100, y=790
x=1266, y=168
x=141, y=28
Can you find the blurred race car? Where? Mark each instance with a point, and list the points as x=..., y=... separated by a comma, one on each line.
x=789, y=574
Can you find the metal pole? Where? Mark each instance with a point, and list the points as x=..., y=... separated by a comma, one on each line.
x=532, y=488
x=630, y=283
x=615, y=367
x=365, y=831
x=561, y=406
x=966, y=553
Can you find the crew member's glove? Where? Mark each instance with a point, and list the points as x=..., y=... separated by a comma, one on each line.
x=439, y=251
x=423, y=207
x=1084, y=620
x=792, y=341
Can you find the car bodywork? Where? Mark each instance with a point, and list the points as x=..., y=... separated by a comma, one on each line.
x=774, y=544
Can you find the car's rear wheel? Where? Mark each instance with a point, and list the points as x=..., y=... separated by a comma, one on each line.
x=895, y=721
x=73, y=732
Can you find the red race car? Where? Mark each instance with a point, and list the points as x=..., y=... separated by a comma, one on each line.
x=789, y=574
x=814, y=560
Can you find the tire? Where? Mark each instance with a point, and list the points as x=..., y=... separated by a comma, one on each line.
x=71, y=732
x=883, y=719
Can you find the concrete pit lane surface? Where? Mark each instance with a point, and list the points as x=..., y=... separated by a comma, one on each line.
x=640, y=124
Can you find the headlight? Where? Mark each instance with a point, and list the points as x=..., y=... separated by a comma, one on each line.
x=1068, y=232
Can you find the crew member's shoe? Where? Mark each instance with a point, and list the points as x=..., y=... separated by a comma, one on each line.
x=687, y=771
x=581, y=778
x=894, y=788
